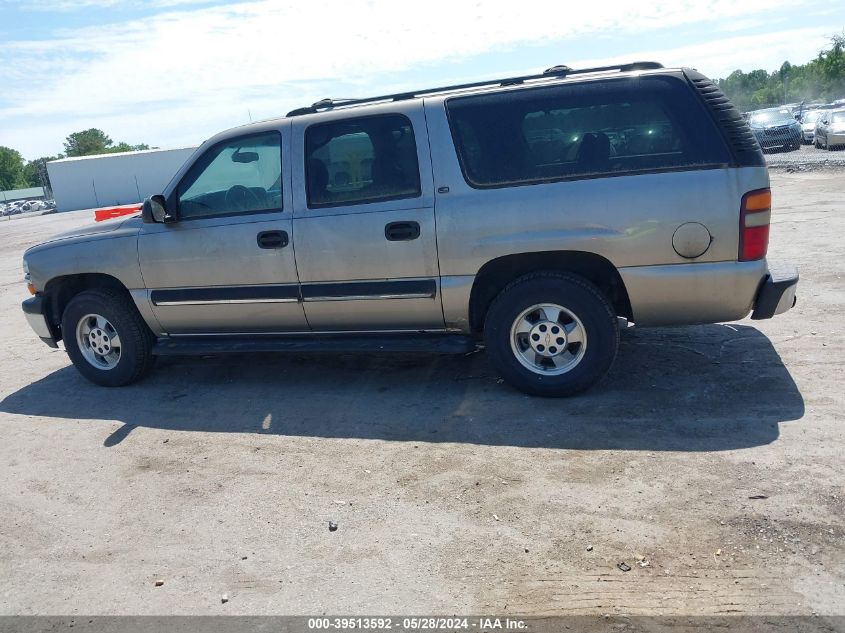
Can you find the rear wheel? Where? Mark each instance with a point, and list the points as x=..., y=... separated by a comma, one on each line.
x=106, y=338
x=551, y=334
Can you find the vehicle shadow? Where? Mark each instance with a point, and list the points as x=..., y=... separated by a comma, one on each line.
x=700, y=388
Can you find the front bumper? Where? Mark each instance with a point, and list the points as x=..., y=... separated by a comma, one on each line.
x=778, y=137
x=777, y=292
x=34, y=310
x=835, y=139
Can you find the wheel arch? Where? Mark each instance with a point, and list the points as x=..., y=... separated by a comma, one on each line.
x=60, y=290
x=494, y=275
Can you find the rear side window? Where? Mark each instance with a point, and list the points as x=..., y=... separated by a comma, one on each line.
x=583, y=130
x=361, y=160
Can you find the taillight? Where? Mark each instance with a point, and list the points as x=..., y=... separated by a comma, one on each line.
x=755, y=213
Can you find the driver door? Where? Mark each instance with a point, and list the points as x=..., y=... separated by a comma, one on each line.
x=226, y=264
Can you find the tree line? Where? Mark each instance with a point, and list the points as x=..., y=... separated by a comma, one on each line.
x=820, y=80
x=17, y=173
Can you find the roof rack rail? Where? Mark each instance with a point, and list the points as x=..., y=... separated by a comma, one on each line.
x=553, y=72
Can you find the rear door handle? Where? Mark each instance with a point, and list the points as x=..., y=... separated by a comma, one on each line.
x=402, y=231
x=273, y=239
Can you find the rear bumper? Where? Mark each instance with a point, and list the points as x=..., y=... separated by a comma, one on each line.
x=777, y=292
x=34, y=310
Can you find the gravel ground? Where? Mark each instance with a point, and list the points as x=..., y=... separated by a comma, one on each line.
x=806, y=158
x=709, y=462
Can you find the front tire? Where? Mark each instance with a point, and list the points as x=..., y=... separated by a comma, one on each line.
x=551, y=334
x=106, y=339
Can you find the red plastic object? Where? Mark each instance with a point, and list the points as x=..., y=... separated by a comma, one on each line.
x=115, y=212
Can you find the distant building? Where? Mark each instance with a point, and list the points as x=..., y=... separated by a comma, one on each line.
x=21, y=194
x=106, y=180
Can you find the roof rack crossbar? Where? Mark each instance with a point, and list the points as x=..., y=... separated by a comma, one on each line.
x=553, y=72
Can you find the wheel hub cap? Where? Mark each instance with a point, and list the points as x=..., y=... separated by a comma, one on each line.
x=547, y=338
x=98, y=341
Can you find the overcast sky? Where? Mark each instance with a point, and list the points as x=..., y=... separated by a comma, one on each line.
x=172, y=72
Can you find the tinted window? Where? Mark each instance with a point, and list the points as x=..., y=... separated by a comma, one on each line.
x=812, y=116
x=361, y=160
x=600, y=128
x=242, y=175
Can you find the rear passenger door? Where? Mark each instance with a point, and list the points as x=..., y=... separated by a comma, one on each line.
x=364, y=220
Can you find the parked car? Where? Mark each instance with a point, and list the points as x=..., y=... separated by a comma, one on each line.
x=775, y=127
x=808, y=124
x=830, y=129
x=533, y=214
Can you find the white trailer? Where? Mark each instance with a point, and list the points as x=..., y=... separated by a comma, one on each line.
x=105, y=180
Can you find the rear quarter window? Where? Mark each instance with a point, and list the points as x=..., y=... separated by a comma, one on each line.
x=595, y=129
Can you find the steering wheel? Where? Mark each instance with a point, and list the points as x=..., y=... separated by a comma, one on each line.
x=242, y=198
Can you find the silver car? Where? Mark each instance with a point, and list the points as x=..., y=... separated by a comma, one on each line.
x=830, y=129
x=531, y=215
x=808, y=124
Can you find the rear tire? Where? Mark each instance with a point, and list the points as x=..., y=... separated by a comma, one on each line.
x=106, y=338
x=551, y=334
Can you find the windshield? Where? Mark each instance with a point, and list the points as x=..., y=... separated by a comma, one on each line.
x=812, y=116
x=770, y=116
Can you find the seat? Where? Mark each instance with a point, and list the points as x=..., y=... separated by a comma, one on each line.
x=594, y=152
x=318, y=181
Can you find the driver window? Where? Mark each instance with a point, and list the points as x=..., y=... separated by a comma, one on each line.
x=241, y=175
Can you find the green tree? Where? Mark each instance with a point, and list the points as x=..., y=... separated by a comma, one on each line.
x=126, y=147
x=96, y=141
x=87, y=142
x=822, y=79
x=35, y=172
x=11, y=169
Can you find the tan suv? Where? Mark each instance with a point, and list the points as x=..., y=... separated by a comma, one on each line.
x=533, y=214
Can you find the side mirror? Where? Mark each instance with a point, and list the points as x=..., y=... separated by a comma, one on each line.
x=154, y=210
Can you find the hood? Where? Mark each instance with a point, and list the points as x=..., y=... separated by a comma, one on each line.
x=771, y=124
x=95, y=231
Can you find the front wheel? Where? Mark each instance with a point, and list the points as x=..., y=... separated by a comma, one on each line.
x=551, y=334
x=106, y=339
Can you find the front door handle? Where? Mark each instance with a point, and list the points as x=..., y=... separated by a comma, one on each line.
x=273, y=239
x=402, y=231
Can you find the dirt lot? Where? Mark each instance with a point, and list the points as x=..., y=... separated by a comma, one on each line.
x=714, y=452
